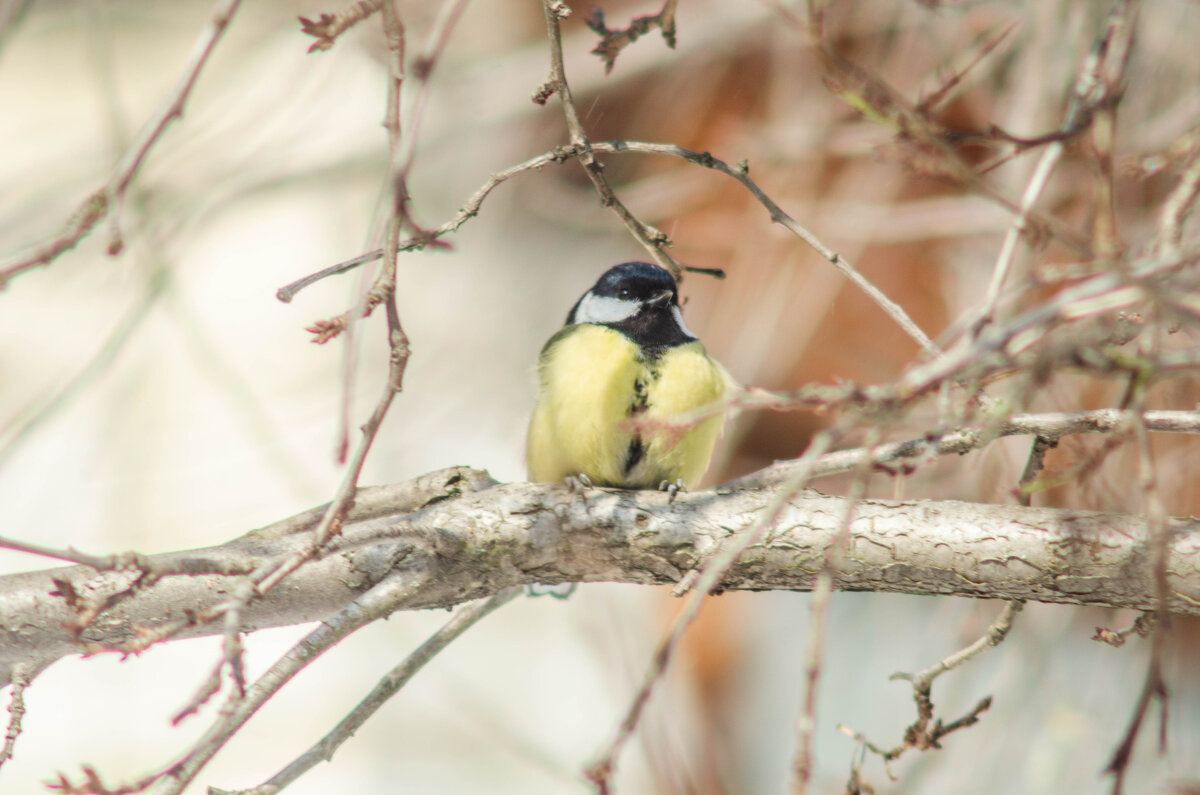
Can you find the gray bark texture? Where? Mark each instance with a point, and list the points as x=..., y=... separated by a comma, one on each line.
x=478, y=537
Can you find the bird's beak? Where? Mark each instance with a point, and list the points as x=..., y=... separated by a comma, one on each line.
x=660, y=299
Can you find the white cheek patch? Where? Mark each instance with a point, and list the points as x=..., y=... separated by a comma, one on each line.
x=604, y=309
x=679, y=320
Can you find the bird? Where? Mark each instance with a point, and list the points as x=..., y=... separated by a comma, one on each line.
x=623, y=365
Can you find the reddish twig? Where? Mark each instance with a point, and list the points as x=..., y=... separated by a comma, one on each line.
x=327, y=27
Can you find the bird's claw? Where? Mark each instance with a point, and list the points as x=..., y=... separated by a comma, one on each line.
x=672, y=489
x=576, y=484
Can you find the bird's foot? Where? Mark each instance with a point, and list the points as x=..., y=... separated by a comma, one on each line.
x=672, y=489
x=578, y=483
x=560, y=591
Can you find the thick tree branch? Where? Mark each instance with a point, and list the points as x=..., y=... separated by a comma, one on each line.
x=477, y=543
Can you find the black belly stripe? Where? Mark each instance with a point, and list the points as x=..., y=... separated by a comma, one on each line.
x=634, y=454
x=641, y=400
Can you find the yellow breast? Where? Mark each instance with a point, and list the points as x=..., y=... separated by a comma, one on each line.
x=593, y=380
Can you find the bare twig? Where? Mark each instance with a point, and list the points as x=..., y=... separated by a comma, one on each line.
x=1143, y=625
x=376, y=603
x=925, y=733
x=231, y=661
x=1180, y=203
x=872, y=96
x=109, y=196
x=22, y=675
x=1018, y=229
x=654, y=241
x=1154, y=685
x=448, y=16
x=714, y=571
x=741, y=173
x=983, y=46
x=117, y=562
x=1033, y=465
x=324, y=749
x=328, y=527
x=613, y=41
x=806, y=721
x=327, y=27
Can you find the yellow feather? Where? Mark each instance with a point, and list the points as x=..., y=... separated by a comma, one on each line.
x=588, y=376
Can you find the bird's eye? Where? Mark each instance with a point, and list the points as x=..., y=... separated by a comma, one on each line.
x=626, y=293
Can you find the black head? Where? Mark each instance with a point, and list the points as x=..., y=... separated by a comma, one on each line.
x=639, y=299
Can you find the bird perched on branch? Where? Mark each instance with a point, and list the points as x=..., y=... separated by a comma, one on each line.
x=615, y=383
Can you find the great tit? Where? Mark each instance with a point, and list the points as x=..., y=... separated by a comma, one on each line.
x=624, y=361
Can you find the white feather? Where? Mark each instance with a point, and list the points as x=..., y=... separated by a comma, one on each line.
x=679, y=319
x=604, y=309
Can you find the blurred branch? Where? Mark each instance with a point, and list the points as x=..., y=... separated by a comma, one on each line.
x=1154, y=683
x=804, y=760
x=21, y=428
x=109, y=197
x=905, y=457
x=388, y=686
x=12, y=13
x=930, y=146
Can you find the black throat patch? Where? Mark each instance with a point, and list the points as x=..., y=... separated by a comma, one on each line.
x=654, y=329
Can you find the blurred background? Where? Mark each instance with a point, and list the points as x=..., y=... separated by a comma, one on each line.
x=163, y=399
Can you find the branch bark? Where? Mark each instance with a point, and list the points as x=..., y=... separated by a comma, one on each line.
x=480, y=542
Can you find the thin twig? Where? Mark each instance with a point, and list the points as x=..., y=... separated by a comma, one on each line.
x=117, y=562
x=806, y=722
x=1033, y=466
x=926, y=733
x=654, y=241
x=1017, y=230
x=22, y=676
x=109, y=196
x=330, y=523
x=740, y=173
x=448, y=16
x=993, y=636
x=904, y=457
x=1179, y=204
x=375, y=604
x=327, y=27
x=871, y=95
x=612, y=41
x=1154, y=685
x=1143, y=625
x=600, y=772
x=324, y=749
